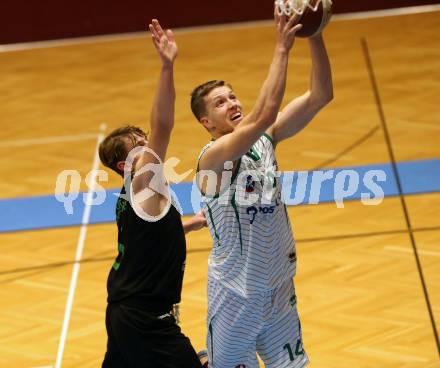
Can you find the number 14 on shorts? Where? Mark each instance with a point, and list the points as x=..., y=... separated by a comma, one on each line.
x=298, y=350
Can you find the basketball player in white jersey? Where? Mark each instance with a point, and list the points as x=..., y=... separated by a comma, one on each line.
x=251, y=296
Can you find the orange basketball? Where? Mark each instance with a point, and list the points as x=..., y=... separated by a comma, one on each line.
x=315, y=14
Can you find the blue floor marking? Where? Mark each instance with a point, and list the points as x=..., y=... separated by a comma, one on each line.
x=39, y=212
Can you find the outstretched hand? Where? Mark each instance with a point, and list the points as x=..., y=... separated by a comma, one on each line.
x=286, y=29
x=199, y=220
x=164, y=42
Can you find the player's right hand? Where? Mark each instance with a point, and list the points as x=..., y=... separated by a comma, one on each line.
x=164, y=42
x=286, y=29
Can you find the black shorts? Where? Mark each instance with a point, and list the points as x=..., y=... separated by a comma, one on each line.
x=137, y=339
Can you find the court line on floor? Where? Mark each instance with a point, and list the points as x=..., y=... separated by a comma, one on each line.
x=79, y=250
x=49, y=266
x=405, y=250
x=348, y=149
x=399, y=182
x=207, y=28
x=47, y=140
x=363, y=235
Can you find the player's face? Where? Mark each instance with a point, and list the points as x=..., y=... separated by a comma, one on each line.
x=224, y=111
x=134, y=141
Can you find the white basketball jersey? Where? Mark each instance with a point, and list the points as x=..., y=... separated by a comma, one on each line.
x=253, y=247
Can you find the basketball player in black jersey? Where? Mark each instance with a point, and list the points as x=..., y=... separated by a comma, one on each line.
x=146, y=278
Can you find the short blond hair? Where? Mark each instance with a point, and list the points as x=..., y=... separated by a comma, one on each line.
x=113, y=148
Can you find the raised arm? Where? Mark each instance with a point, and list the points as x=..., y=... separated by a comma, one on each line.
x=148, y=184
x=300, y=111
x=162, y=113
x=232, y=146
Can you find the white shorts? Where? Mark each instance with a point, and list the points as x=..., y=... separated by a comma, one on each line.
x=266, y=323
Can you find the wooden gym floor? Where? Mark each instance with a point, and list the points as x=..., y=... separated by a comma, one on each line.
x=360, y=295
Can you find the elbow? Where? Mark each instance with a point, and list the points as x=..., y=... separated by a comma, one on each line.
x=326, y=95
x=322, y=100
x=327, y=98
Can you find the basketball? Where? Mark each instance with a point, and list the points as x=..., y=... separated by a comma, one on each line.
x=315, y=14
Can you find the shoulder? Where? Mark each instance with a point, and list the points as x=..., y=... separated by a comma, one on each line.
x=203, y=150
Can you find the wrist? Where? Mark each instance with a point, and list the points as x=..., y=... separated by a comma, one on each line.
x=190, y=223
x=316, y=38
x=281, y=50
x=167, y=64
x=187, y=227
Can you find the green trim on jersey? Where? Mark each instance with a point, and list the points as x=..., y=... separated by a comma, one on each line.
x=121, y=253
x=269, y=138
x=212, y=341
x=253, y=153
x=234, y=205
x=213, y=224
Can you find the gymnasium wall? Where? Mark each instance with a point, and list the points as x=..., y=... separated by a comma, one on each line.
x=34, y=20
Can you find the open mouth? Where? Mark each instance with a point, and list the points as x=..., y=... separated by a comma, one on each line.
x=236, y=116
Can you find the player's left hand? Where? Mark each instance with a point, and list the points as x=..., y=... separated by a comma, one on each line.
x=199, y=220
x=164, y=42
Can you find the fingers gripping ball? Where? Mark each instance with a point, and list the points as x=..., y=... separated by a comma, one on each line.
x=314, y=14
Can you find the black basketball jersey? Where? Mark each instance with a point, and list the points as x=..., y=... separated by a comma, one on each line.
x=148, y=271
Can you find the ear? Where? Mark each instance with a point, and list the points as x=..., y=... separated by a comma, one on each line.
x=120, y=166
x=207, y=124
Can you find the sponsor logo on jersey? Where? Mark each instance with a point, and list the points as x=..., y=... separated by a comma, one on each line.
x=121, y=206
x=253, y=210
x=121, y=253
x=250, y=184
